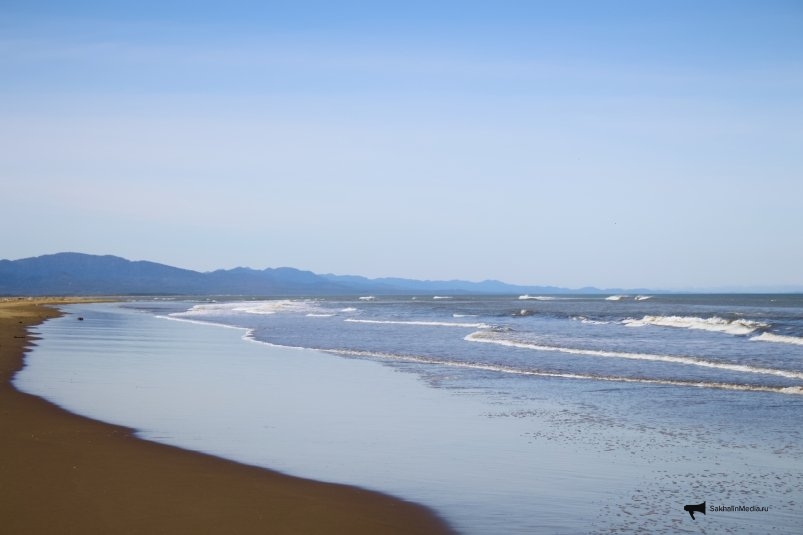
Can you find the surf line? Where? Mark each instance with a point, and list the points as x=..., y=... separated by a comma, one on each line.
x=482, y=336
x=422, y=323
x=795, y=390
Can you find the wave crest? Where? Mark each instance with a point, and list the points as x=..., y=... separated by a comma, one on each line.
x=248, y=307
x=713, y=324
x=778, y=338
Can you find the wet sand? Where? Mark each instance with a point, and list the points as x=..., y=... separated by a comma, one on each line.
x=63, y=473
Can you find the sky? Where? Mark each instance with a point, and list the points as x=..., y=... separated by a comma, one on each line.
x=568, y=143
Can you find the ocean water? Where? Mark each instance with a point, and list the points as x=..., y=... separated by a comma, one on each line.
x=508, y=414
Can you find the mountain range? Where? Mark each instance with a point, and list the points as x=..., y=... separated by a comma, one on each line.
x=84, y=274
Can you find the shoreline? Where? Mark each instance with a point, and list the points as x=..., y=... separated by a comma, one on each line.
x=63, y=472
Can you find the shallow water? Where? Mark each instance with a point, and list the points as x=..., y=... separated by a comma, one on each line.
x=488, y=452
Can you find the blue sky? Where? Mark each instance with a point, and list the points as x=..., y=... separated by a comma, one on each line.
x=596, y=143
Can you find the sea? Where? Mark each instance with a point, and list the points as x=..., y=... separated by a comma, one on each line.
x=504, y=414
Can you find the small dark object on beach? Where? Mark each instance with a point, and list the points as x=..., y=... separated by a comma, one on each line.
x=80, y=318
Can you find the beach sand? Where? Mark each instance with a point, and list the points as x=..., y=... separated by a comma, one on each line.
x=63, y=473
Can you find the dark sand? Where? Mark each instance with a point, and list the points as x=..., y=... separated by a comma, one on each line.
x=63, y=473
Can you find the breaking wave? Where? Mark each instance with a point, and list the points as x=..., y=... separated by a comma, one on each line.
x=713, y=324
x=778, y=338
x=587, y=321
x=493, y=338
x=248, y=307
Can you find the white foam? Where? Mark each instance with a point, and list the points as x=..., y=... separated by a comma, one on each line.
x=778, y=338
x=424, y=323
x=172, y=317
x=494, y=338
x=211, y=310
x=249, y=337
x=583, y=319
x=367, y=298
x=348, y=309
x=247, y=307
x=441, y=297
x=615, y=297
x=792, y=390
x=464, y=315
x=643, y=297
x=248, y=333
x=313, y=315
x=714, y=324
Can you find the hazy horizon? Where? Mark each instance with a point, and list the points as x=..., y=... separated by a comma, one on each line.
x=570, y=144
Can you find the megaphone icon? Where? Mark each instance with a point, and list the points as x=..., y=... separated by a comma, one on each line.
x=700, y=508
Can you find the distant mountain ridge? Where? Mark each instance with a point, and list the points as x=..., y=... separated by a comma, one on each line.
x=84, y=274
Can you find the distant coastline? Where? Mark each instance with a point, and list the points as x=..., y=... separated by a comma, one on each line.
x=83, y=274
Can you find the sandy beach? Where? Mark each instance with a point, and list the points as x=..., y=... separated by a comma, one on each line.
x=63, y=473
